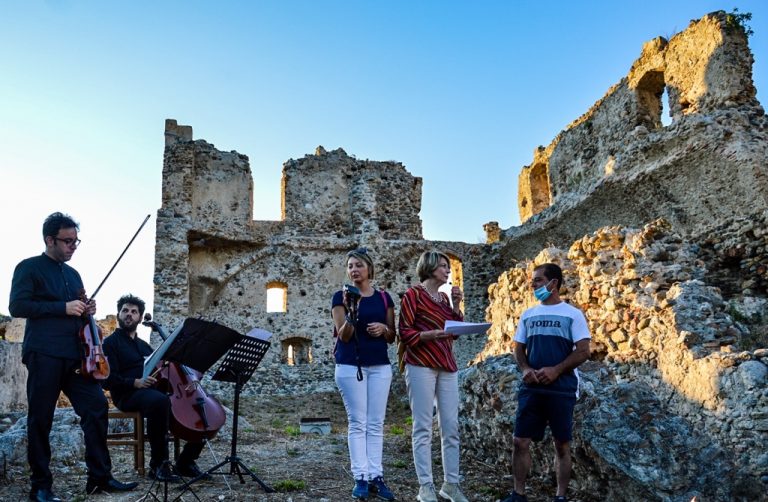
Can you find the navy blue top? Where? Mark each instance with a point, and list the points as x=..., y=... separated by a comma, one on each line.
x=372, y=349
x=40, y=291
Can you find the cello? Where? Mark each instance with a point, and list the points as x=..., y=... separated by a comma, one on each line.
x=195, y=415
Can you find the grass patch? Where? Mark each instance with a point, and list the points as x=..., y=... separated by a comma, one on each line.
x=291, y=430
x=396, y=430
x=289, y=485
x=400, y=464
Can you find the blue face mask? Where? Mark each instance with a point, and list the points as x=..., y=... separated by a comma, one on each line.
x=542, y=293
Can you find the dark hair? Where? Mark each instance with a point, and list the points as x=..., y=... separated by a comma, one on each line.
x=133, y=300
x=428, y=263
x=552, y=271
x=55, y=222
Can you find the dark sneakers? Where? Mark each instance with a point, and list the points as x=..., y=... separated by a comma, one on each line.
x=110, y=486
x=360, y=491
x=515, y=497
x=377, y=487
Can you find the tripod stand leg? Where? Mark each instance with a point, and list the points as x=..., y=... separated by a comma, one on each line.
x=239, y=465
x=154, y=496
x=212, y=470
x=234, y=468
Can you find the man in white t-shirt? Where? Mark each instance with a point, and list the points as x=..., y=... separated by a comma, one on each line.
x=551, y=340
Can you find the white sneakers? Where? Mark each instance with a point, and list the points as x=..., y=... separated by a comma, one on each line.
x=427, y=493
x=452, y=492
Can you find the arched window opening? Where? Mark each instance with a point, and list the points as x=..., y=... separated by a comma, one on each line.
x=296, y=351
x=277, y=297
x=650, y=89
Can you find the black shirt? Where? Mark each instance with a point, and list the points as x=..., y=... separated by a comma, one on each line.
x=40, y=290
x=126, y=363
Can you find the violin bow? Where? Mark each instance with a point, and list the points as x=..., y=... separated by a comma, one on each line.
x=121, y=256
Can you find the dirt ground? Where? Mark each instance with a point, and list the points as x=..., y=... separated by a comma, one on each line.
x=300, y=467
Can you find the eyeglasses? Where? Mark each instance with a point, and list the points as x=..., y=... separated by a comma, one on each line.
x=358, y=251
x=68, y=242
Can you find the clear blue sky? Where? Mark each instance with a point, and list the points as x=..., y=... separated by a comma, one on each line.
x=460, y=92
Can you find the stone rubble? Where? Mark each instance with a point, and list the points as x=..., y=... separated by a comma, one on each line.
x=674, y=353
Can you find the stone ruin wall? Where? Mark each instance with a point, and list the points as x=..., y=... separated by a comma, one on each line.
x=660, y=231
x=658, y=327
x=13, y=391
x=13, y=394
x=213, y=260
x=617, y=164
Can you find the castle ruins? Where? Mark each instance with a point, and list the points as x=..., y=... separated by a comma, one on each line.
x=661, y=232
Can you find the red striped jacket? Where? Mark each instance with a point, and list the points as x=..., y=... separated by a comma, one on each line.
x=420, y=312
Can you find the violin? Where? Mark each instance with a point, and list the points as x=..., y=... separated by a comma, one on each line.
x=94, y=364
x=195, y=415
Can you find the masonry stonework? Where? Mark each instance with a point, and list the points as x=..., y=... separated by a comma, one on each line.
x=660, y=232
x=617, y=164
x=212, y=259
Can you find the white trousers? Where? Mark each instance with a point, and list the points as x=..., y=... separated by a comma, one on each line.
x=366, y=405
x=427, y=386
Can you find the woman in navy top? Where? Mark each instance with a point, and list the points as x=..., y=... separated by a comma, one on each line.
x=364, y=325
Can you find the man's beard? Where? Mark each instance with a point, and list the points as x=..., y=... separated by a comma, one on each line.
x=127, y=327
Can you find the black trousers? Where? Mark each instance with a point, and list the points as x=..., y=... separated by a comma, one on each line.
x=155, y=406
x=48, y=376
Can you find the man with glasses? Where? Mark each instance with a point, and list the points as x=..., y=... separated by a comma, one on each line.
x=46, y=291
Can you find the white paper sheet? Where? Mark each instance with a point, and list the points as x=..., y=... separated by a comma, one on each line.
x=261, y=334
x=466, y=328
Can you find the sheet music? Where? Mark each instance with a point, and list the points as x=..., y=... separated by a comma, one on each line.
x=260, y=334
x=466, y=328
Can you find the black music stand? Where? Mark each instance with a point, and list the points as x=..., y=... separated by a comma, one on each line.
x=154, y=496
x=197, y=344
x=238, y=367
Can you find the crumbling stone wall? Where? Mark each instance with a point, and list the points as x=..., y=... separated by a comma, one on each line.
x=13, y=394
x=617, y=164
x=657, y=325
x=13, y=383
x=212, y=259
x=674, y=404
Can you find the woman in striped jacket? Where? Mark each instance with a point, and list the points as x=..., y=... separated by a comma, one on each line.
x=431, y=373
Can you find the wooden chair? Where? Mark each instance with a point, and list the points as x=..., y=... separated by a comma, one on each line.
x=135, y=437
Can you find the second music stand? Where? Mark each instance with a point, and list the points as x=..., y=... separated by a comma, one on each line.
x=238, y=367
x=198, y=344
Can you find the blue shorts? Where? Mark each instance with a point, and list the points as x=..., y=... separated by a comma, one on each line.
x=537, y=410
